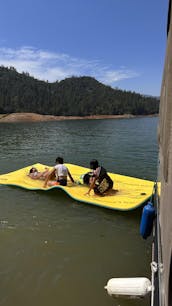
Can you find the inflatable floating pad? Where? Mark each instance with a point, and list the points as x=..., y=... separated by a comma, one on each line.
x=131, y=192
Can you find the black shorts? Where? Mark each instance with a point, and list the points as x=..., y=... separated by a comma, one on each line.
x=62, y=182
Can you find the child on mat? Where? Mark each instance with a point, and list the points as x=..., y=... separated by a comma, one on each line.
x=35, y=174
x=61, y=172
x=100, y=181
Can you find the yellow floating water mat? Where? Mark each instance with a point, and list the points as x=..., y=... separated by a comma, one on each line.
x=129, y=192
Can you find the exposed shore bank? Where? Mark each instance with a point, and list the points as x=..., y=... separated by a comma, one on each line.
x=33, y=117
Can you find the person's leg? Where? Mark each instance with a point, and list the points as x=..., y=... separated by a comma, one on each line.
x=45, y=173
x=53, y=183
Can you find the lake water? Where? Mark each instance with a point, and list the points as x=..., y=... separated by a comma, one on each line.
x=54, y=250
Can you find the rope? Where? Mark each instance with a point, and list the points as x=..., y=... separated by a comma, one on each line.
x=154, y=267
x=154, y=190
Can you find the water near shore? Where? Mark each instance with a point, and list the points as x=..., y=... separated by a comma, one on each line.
x=55, y=251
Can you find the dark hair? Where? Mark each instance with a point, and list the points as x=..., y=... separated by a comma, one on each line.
x=32, y=170
x=94, y=164
x=86, y=178
x=59, y=160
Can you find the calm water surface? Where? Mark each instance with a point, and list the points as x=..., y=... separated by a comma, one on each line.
x=55, y=251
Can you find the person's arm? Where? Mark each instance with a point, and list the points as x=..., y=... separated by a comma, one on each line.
x=48, y=177
x=39, y=175
x=91, y=185
x=71, y=178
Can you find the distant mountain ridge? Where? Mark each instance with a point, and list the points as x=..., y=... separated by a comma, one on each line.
x=75, y=96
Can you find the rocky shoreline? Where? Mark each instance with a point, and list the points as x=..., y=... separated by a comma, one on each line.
x=33, y=117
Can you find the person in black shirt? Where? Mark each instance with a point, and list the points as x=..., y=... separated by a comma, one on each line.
x=100, y=181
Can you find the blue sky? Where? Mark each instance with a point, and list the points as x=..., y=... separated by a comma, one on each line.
x=121, y=43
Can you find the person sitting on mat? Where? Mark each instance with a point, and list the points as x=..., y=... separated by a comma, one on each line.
x=35, y=174
x=61, y=172
x=100, y=181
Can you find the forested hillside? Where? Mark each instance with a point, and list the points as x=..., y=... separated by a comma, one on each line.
x=75, y=96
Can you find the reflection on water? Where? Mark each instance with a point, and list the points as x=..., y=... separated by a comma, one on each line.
x=55, y=251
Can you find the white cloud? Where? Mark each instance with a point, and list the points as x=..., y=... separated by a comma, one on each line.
x=110, y=77
x=51, y=66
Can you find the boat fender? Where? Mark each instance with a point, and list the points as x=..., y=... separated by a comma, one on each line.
x=134, y=287
x=147, y=219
